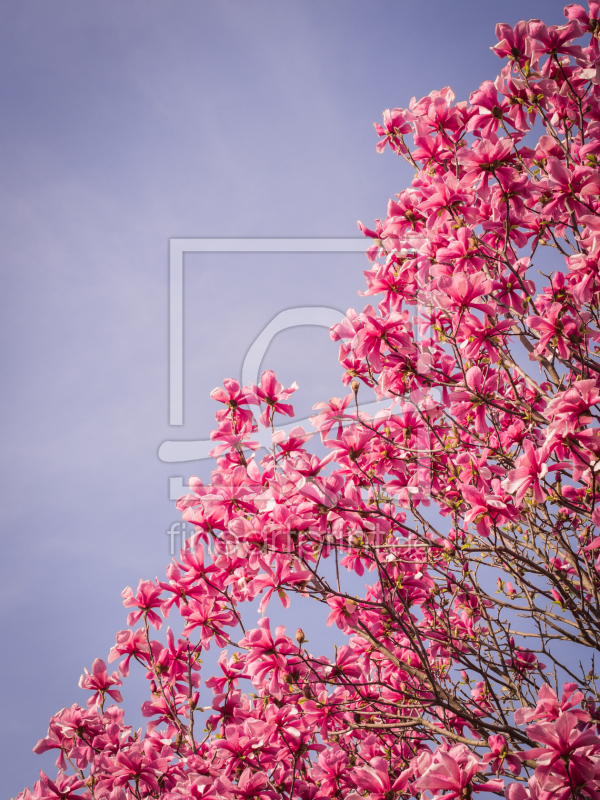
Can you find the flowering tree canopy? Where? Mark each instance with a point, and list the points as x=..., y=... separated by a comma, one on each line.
x=469, y=501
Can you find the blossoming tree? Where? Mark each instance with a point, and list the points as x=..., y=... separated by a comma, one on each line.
x=468, y=502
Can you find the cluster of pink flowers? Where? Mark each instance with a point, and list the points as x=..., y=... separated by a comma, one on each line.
x=470, y=499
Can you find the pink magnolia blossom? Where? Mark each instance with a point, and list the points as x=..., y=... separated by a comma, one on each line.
x=234, y=398
x=343, y=612
x=531, y=468
x=376, y=779
x=513, y=43
x=550, y=708
x=271, y=392
x=452, y=772
x=100, y=682
x=275, y=581
x=130, y=644
x=395, y=123
x=145, y=600
x=499, y=756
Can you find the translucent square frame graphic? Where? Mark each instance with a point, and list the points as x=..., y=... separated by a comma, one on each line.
x=178, y=451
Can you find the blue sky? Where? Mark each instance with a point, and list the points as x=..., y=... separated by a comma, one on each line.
x=126, y=124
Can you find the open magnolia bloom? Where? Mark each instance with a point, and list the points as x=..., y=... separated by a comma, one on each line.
x=468, y=503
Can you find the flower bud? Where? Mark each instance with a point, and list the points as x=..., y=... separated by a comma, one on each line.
x=300, y=638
